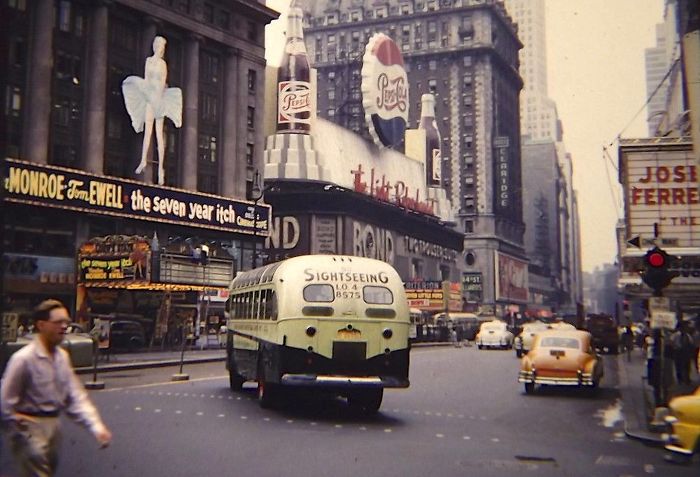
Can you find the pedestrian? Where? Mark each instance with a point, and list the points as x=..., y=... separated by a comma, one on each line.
x=38, y=384
x=660, y=366
x=684, y=352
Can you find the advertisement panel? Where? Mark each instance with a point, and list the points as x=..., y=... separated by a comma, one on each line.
x=511, y=278
x=62, y=188
x=660, y=182
x=429, y=295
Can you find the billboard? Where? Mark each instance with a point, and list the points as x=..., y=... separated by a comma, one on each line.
x=511, y=279
x=660, y=182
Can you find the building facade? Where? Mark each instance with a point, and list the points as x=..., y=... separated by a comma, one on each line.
x=71, y=151
x=464, y=52
x=656, y=66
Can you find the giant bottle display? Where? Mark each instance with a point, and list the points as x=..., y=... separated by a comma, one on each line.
x=433, y=157
x=294, y=80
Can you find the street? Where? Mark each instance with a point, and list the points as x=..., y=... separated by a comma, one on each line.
x=464, y=414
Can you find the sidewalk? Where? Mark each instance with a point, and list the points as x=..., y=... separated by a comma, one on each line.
x=638, y=397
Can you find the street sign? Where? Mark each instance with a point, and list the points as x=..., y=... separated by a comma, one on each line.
x=663, y=320
x=635, y=241
x=659, y=303
x=10, y=322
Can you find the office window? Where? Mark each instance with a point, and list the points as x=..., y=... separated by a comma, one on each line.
x=250, y=118
x=252, y=80
x=250, y=154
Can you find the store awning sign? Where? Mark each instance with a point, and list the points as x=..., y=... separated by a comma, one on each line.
x=62, y=188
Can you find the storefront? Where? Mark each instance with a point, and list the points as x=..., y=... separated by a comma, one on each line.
x=114, y=247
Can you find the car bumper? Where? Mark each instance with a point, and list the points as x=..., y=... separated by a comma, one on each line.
x=581, y=379
x=680, y=438
x=335, y=381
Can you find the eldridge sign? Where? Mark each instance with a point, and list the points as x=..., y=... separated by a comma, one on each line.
x=62, y=188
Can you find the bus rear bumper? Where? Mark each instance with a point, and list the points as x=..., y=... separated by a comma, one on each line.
x=343, y=381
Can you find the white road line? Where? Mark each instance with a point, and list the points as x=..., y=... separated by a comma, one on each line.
x=387, y=431
x=157, y=411
x=200, y=413
x=439, y=436
x=266, y=419
x=495, y=439
x=244, y=418
x=363, y=428
x=222, y=415
x=338, y=426
x=466, y=438
x=178, y=412
x=137, y=408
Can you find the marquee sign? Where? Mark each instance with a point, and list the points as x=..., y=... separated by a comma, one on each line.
x=384, y=91
x=58, y=187
x=661, y=187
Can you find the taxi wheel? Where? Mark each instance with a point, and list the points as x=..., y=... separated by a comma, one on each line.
x=266, y=394
x=519, y=353
x=529, y=388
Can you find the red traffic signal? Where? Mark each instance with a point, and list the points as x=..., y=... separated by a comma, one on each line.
x=656, y=274
x=656, y=258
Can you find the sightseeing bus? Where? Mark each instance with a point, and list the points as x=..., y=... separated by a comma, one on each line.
x=335, y=323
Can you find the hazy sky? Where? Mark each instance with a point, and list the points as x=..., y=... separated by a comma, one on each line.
x=595, y=62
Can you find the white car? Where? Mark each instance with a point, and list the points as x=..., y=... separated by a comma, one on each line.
x=494, y=334
x=523, y=342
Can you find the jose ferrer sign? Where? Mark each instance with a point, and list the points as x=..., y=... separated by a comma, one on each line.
x=661, y=187
x=62, y=188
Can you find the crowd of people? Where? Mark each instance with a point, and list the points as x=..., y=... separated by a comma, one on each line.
x=671, y=358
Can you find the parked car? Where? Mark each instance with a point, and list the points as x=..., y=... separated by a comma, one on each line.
x=523, y=342
x=561, y=357
x=604, y=331
x=683, y=438
x=79, y=346
x=126, y=334
x=494, y=334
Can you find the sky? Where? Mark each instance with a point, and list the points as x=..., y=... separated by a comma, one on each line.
x=595, y=63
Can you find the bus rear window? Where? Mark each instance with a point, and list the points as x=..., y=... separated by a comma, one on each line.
x=318, y=293
x=377, y=295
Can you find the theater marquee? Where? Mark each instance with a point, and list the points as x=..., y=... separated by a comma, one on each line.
x=57, y=187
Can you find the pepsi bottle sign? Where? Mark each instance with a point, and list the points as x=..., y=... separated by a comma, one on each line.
x=385, y=91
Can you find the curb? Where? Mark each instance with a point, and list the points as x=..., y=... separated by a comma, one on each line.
x=146, y=364
x=646, y=437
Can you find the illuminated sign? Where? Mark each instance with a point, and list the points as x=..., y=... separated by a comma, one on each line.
x=57, y=187
x=115, y=258
x=661, y=187
x=384, y=91
x=394, y=192
x=502, y=174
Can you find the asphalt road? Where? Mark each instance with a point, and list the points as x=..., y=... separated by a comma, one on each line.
x=464, y=415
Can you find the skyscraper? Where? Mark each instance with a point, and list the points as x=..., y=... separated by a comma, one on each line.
x=656, y=65
x=538, y=113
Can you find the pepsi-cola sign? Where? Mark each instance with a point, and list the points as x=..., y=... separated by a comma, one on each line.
x=385, y=91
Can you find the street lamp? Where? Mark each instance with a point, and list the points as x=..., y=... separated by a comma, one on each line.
x=256, y=193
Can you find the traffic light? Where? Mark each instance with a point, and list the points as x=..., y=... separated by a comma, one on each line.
x=656, y=272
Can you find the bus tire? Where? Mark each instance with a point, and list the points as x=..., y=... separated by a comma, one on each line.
x=366, y=400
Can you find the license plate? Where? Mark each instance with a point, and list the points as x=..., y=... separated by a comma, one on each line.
x=557, y=352
x=349, y=335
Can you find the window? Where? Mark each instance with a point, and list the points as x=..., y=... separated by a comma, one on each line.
x=252, y=33
x=209, y=109
x=64, y=16
x=249, y=154
x=319, y=293
x=224, y=20
x=250, y=118
x=208, y=13
x=374, y=295
x=207, y=148
x=330, y=113
x=432, y=85
x=14, y=101
x=17, y=4
x=432, y=65
x=252, y=80
x=331, y=94
x=210, y=68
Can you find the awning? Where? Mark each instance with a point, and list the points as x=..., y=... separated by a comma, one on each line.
x=150, y=286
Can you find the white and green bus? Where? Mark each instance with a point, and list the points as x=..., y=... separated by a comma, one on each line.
x=335, y=323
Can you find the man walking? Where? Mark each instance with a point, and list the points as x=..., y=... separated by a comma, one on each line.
x=39, y=383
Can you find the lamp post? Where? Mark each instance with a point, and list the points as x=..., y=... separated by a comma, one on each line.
x=256, y=193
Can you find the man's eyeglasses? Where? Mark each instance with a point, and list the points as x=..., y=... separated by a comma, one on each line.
x=59, y=322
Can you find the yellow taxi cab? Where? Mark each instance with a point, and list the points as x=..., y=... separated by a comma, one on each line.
x=684, y=421
x=561, y=357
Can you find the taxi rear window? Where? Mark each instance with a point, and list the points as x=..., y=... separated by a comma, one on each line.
x=319, y=293
x=377, y=295
x=556, y=342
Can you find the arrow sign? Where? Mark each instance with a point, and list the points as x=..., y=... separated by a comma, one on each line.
x=636, y=241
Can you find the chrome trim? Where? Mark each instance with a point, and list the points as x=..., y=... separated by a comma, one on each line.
x=331, y=380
